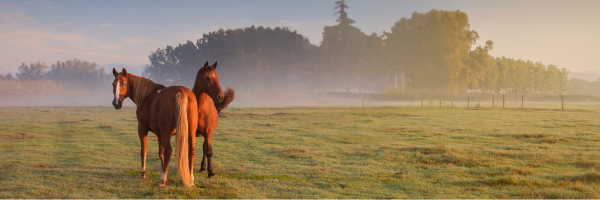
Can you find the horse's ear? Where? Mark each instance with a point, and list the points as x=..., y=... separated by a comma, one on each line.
x=214, y=66
x=124, y=72
x=205, y=65
x=115, y=72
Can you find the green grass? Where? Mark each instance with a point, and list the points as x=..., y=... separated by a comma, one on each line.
x=387, y=152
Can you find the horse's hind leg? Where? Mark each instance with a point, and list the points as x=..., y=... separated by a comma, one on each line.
x=192, y=153
x=166, y=150
x=143, y=134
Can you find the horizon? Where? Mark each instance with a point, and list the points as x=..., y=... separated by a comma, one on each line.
x=551, y=32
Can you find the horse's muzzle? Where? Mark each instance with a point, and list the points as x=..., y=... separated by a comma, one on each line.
x=117, y=105
x=220, y=98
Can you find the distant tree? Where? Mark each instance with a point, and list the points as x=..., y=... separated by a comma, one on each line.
x=432, y=48
x=595, y=86
x=163, y=65
x=579, y=86
x=541, y=81
x=34, y=71
x=78, y=75
x=9, y=77
x=343, y=18
x=480, y=71
x=348, y=57
x=251, y=57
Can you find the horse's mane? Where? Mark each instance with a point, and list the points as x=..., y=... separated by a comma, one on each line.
x=142, y=87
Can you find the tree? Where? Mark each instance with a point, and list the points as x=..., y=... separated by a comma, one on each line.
x=432, y=47
x=78, y=75
x=579, y=86
x=9, y=77
x=348, y=57
x=480, y=71
x=252, y=57
x=32, y=72
x=343, y=18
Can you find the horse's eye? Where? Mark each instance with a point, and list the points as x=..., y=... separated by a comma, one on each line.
x=125, y=84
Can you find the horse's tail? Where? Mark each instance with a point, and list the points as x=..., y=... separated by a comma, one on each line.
x=229, y=96
x=181, y=132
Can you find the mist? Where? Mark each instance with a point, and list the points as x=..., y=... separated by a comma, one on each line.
x=279, y=67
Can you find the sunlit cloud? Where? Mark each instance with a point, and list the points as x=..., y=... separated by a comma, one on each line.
x=106, y=25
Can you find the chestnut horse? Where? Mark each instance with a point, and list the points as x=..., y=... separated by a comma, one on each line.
x=211, y=101
x=165, y=111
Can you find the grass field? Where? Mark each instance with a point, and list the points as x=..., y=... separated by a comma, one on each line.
x=386, y=152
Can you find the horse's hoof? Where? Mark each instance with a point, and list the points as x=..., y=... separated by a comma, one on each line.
x=142, y=176
x=210, y=175
x=202, y=170
x=161, y=185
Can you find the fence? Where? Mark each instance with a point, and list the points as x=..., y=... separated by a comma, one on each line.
x=493, y=101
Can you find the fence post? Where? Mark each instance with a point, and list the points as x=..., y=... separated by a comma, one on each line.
x=522, y=101
x=562, y=100
x=363, y=102
x=468, y=101
x=493, y=101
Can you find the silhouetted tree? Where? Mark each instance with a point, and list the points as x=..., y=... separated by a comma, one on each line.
x=343, y=18
x=32, y=72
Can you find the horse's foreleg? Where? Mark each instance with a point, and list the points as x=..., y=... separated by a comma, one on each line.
x=143, y=134
x=204, y=150
x=209, y=154
x=167, y=150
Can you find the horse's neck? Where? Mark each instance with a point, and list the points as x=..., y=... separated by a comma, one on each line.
x=141, y=89
x=198, y=91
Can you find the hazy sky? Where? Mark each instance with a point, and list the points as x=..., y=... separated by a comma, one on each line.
x=564, y=33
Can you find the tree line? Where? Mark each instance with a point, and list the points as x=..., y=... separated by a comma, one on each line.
x=580, y=86
x=434, y=50
x=70, y=75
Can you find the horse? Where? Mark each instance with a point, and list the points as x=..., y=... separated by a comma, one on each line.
x=165, y=111
x=211, y=101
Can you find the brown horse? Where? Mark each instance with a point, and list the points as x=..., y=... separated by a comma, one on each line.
x=165, y=111
x=211, y=101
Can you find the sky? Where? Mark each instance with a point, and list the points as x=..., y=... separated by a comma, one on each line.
x=563, y=33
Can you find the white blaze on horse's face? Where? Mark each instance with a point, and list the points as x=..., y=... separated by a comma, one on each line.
x=117, y=87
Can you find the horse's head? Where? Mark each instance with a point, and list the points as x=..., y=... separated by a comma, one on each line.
x=207, y=81
x=120, y=88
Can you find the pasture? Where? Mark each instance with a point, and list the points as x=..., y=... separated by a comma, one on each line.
x=383, y=152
